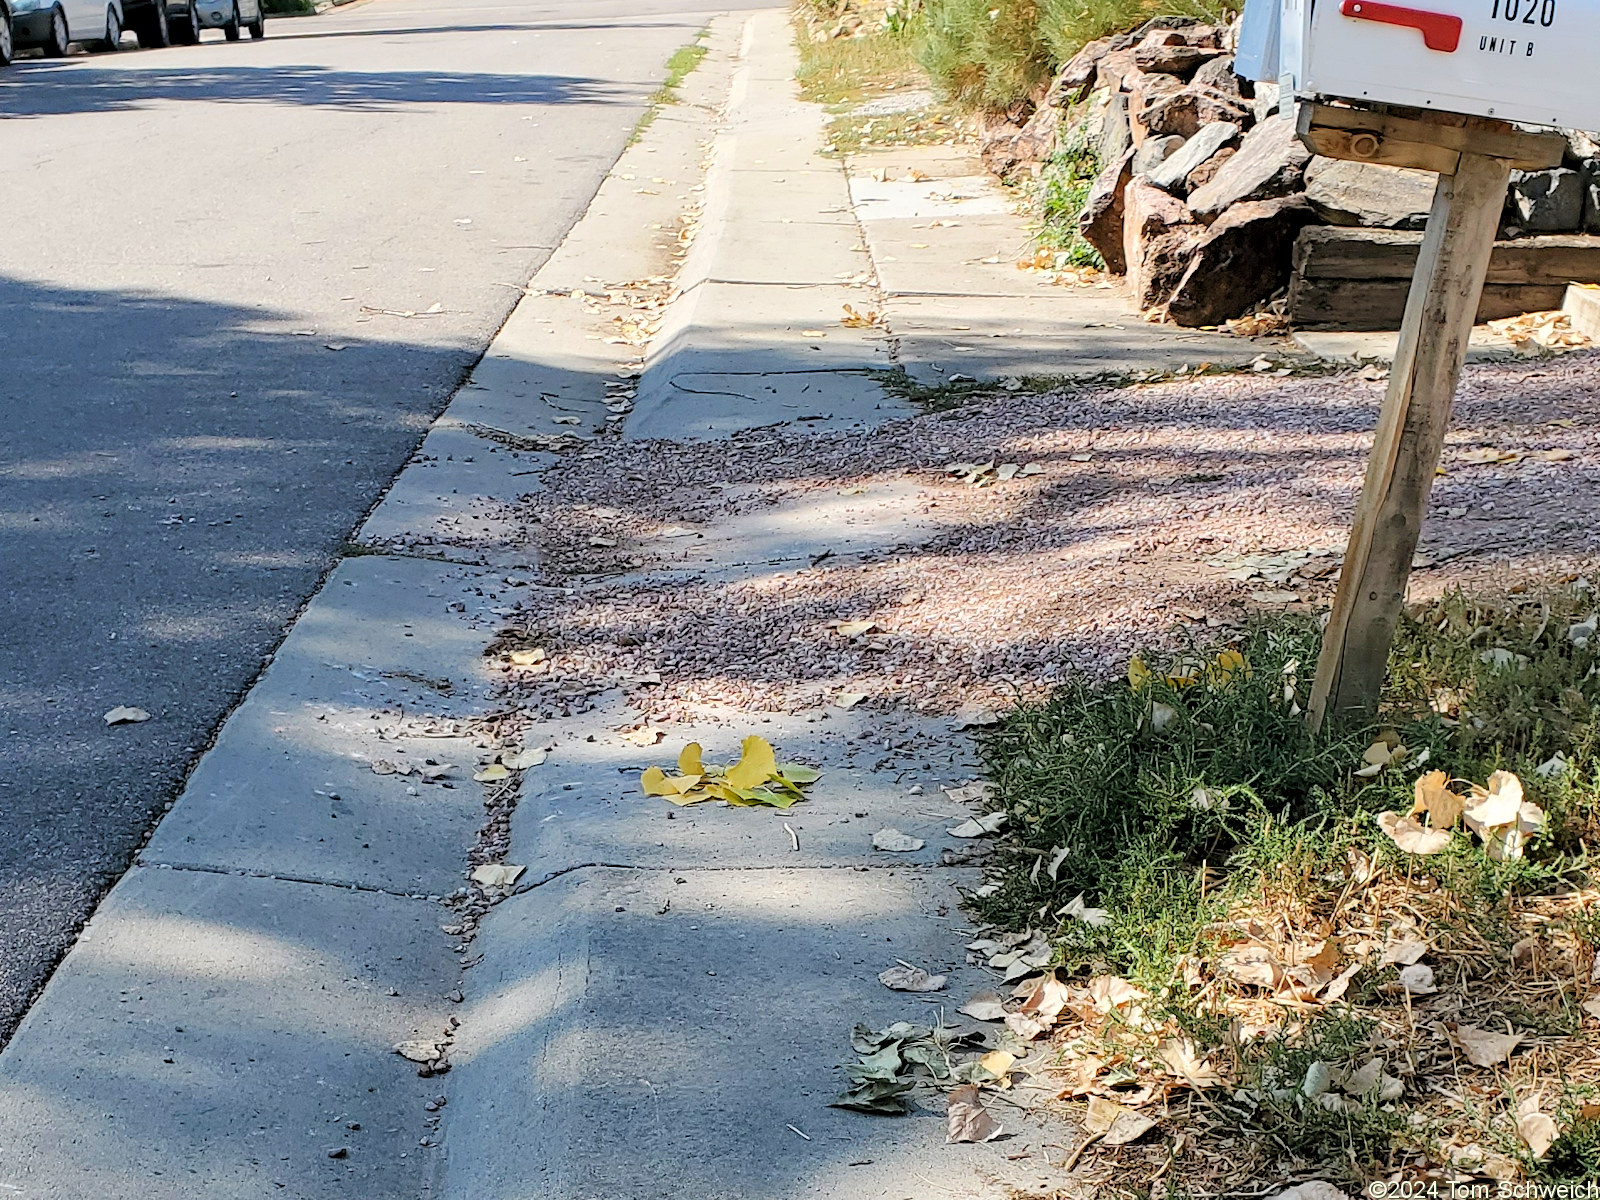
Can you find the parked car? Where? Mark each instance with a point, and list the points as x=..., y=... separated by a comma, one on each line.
x=98, y=24
x=230, y=16
x=8, y=36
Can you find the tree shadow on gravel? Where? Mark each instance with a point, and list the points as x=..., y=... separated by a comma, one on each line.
x=1141, y=497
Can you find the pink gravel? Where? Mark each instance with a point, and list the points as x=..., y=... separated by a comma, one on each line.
x=1070, y=569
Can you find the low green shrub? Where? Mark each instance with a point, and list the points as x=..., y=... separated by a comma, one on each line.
x=1063, y=189
x=1144, y=822
x=985, y=53
x=991, y=53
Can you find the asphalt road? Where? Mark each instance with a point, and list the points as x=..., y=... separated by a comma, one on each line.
x=189, y=235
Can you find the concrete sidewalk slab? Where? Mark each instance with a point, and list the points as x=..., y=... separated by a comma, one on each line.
x=668, y=1031
x=1079, y=335
x=754, y=331
x=585, y=803
x=454, y=501
x=972, y=256
x=945, y=240
x=739, y=356
x=386, y=664
x=217, y=1037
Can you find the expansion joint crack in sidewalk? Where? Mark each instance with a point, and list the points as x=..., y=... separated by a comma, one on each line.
x=312, y=881
x=711, y=868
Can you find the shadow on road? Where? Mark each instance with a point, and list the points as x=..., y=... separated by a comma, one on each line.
x=171, y=491
x=45, y=88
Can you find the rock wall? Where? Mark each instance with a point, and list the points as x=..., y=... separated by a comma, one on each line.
x=1205, y=186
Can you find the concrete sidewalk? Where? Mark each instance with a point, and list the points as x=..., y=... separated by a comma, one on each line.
x=226, y=1025
x=662, y=1002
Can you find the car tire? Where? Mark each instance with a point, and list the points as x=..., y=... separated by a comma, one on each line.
x=152, y=29
x=113, y=37
x=258, y=27
x=185, y=29
x=8, y=41
x=231, y=29
x=55, y=43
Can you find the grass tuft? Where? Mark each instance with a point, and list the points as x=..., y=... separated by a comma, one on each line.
x=680, y=66
x=1191, y=805
x=1063, y=190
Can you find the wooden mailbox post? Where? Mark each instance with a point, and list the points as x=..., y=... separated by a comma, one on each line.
x=1474, y=157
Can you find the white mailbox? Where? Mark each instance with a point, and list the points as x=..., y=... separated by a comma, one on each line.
x=1531, y=61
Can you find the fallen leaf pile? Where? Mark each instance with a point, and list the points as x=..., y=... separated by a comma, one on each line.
x=893, y=1061
x=1260, y=324
x=1498, y=814
x=1551, y=330
x=756, y=780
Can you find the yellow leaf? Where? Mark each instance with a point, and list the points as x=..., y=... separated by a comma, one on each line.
x=654, y=782
x=527, y=658
x=1228, y=664
x=684, y=784
x=1434, y=797
x=1115, y=1124
x=493, y=773
x=1139, y=675
x=997, y=1063
x=698, y=796
x=756, y=764
x=689, y=761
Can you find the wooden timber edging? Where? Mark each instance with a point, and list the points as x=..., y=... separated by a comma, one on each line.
x=1357, y=279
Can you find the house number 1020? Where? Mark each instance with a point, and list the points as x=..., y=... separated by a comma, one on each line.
x=1542, y=11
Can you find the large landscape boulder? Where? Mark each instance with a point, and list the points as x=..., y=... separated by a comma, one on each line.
x=1207, y=171
x=1113, y=67
x=1077, y=76
x=1173, y=172
x=1361, y=193
x=1240, y=260
x=1196, y=30
x=1187, y=111
x=1100, y=223
x=1546, y=201
x=1270, y=162
x=1218, y=74
x=1007, y=148
x=1146, y=92
x=1589, y=170
x=1115, y=136
x=1154, y=152
x=1266, y=99
x=1168, y=52
x=1157, y=233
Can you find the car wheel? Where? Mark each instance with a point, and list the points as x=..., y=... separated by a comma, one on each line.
x=113, y=37
x=258, y=27
x=231, y=29
x=8, y=44
x=55, y=42
x=185, y=27
x=153, y=31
